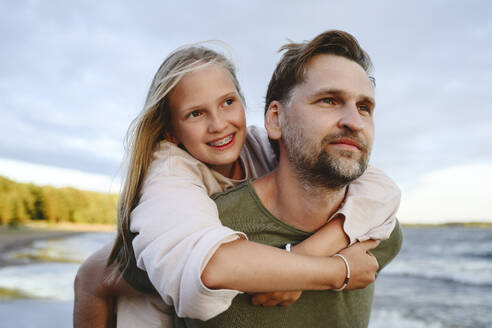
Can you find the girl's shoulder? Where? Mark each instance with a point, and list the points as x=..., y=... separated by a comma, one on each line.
x=257, y=154
x=171, y=162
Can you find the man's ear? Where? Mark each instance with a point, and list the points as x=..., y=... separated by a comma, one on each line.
x=273, y=120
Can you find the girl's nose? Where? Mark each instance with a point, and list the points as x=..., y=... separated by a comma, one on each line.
x=216, y=124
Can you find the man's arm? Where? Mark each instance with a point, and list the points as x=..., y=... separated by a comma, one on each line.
x=389, y=249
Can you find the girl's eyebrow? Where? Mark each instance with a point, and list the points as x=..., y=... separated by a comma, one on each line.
x=196, y=106
x=231, y=93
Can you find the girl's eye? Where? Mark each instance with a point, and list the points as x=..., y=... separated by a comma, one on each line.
x=194, y=113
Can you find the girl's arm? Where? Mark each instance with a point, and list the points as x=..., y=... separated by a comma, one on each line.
x=369, y=212
x=178, y=231
x=275, y=270
x=176, y=248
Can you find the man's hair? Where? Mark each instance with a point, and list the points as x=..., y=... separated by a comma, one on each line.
x=291, y=69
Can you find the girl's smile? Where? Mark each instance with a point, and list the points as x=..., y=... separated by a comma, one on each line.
x=223, y=143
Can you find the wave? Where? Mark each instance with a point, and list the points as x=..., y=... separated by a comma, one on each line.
x=41, y=280
x=471, y=271
x=483, y=255
x=384, y=319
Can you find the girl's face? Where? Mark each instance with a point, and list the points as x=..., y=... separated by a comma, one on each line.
x=207, y=117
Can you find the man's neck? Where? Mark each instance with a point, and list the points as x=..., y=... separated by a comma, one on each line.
x=296, y=202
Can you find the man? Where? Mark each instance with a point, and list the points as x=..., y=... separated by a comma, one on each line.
x=319, y=117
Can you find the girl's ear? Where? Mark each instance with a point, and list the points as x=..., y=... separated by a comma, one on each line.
x=170, y=137
x=273, y=122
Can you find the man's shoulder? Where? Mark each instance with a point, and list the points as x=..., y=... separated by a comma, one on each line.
x=389, y=249
x=233, y=193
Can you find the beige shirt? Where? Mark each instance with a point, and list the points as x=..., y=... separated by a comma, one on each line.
x=179, y=229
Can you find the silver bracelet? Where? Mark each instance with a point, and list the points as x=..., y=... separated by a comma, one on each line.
x=345, y=283
x=288, y=247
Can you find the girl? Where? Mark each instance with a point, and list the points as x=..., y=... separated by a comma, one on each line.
x=189, y=142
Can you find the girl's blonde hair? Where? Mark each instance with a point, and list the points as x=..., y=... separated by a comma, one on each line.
x=144, y=135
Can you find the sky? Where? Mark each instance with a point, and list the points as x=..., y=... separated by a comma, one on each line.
x=75, y=73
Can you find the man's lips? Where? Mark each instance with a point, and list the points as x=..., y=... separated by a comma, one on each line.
x=348, y=142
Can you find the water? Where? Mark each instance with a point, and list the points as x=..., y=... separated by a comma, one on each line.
x=441, y=278
x=42, y=284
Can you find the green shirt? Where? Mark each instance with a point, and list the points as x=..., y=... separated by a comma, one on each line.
x=241, y=209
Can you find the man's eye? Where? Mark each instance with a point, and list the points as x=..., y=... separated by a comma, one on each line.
x=228, y=102
x=194, y=113
x=328, y=100
x=365, y=108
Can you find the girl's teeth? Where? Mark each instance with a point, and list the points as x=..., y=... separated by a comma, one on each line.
x=222, y=142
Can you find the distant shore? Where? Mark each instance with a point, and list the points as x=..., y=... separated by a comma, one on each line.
x=449, y=225
x=12, y=238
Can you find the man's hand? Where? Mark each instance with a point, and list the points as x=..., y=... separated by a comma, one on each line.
x=363, y=265
x=276, y=298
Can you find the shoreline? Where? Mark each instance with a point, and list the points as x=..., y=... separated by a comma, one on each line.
x=22, y=236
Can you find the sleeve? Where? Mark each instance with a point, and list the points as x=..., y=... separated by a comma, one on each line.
x=178, y=230
x=370, y=206
x=258, y=152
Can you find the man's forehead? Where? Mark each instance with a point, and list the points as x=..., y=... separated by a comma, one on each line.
x=331, y=72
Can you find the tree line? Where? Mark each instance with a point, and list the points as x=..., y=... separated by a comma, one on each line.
x=24, y=202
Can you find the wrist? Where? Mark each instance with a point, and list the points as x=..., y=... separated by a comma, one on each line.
x=298, y=249
x=336, y=273
x=347, y=276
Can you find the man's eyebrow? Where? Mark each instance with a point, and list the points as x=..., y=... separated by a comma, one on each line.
x=340, y=92
x=369, y=100
x=331, y=91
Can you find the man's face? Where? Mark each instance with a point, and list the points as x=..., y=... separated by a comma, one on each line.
x=328, y=126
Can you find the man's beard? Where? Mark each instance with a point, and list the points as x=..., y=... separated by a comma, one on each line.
x=317, y=167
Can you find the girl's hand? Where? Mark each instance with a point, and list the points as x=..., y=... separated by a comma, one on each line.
x=276, y=298
x=363, y=265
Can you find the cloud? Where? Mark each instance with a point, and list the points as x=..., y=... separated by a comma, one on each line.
x=58, y=177
x=74, y=74
x=454, y=194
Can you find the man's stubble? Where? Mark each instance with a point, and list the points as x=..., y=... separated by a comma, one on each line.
x=318, y=167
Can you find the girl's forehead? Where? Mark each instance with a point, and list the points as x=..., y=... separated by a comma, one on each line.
x=204, y=84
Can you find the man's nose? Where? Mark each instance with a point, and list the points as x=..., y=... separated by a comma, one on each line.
x=351, y=118
x=217, y=123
